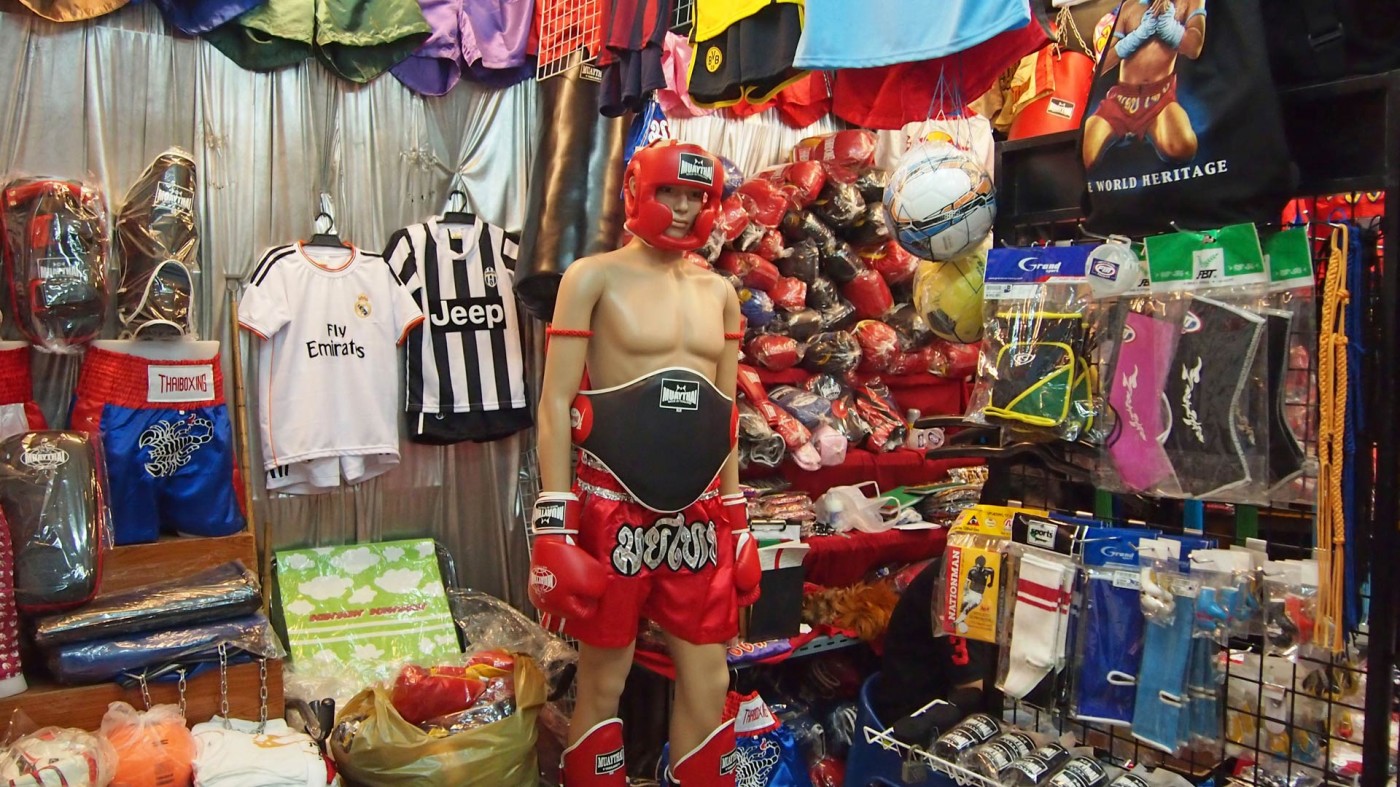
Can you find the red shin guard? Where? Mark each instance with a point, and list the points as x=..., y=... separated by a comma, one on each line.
x=596, y=759
x=711, y=764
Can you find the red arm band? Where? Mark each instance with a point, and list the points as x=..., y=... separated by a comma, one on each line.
x=582, y=333
x=736, y=336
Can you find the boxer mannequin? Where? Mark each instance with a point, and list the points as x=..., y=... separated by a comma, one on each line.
x=655, y=525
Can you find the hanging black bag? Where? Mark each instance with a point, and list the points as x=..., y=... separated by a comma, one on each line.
x=1319, y=40
x=1183, y=122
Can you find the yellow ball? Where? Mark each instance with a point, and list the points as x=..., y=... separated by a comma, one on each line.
x=949, y=296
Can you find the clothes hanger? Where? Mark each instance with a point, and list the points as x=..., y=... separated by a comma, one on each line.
x=327, y=238
x=456, y=209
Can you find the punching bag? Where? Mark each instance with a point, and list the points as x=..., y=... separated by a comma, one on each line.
x=1063, y=109
x=575, y=204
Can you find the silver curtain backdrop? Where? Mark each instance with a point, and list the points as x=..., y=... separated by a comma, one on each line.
x=100, y=99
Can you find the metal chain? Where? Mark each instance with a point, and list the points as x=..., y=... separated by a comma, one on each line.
x=223, y=683
x=1066, y=20
x=262, y=695
x=182, y=692
x=145, y=690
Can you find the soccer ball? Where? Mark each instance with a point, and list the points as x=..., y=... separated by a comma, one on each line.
x=949, y=296
x=940, y=202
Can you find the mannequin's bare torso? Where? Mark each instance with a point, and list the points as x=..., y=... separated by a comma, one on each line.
x=653, y=314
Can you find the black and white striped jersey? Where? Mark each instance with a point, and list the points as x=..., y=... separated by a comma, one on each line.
x=466, y=357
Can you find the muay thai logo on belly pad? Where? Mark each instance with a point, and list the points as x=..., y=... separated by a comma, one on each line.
x=669, y=542
x=680, y=394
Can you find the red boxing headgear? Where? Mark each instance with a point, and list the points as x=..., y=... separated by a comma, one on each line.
x=671, y=163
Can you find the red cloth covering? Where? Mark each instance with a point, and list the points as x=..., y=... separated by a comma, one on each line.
x=904, y=467
x=840, y=560
x=890, y=96
x=800, y=104
x=661, y=663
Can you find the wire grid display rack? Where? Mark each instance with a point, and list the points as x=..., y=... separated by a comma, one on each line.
x=1298, y=721
x=682, y=16
x=1301, y=716
x=570, y=35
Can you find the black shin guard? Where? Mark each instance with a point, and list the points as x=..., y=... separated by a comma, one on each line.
x=1205, y=380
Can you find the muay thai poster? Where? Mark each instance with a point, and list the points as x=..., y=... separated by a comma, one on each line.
x=1183, y=121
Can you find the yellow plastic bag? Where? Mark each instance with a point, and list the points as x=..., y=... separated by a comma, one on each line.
x=386, y=750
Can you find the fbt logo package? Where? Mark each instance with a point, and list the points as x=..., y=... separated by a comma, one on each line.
x=1034, y=372
x=1190, y=391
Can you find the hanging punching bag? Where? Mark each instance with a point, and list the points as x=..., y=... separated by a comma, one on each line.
x=575, y=204
x=1063, y=109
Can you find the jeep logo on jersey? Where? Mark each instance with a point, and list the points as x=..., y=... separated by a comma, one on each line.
x=679, y=394
x=604, y=764
x=696, y=169
x=469, y=314
x=44, y=457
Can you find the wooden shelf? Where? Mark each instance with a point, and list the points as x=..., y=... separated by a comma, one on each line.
x=83, y=706
x=126, y=567
x=131, y=566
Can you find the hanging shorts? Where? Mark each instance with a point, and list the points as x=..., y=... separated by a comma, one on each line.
x=674, y=569
x=357, y=39
x=1130, y=109
x=167, y=441
x=72, y=10
x=197, y=17
x=478, y=427
x=18, y=411
x=483, y=41
x=750, y=60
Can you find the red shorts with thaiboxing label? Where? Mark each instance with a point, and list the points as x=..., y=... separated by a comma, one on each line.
x=674, y=569
x=1131, y=109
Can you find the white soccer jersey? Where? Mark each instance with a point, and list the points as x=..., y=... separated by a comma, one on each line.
x=331, y=320
x=467, y=356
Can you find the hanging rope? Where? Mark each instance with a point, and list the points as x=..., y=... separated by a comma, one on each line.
x=1330, y=535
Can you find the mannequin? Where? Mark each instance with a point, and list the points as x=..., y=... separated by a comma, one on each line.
x=655, y=524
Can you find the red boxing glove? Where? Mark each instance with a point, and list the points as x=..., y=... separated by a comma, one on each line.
x=774, y=352
x=739, y=263
x=803, y=181
x=762, y=276
x=918, y=361
x=769, y=203
x=565, y=581
x=748, y=573
x=953, y=360
x=788, y=293
x=794, y=434
x=892, y=262
x=770, y=246
x=879, y=345
x=733, y=218
x=854, y=148
x=869, y=293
